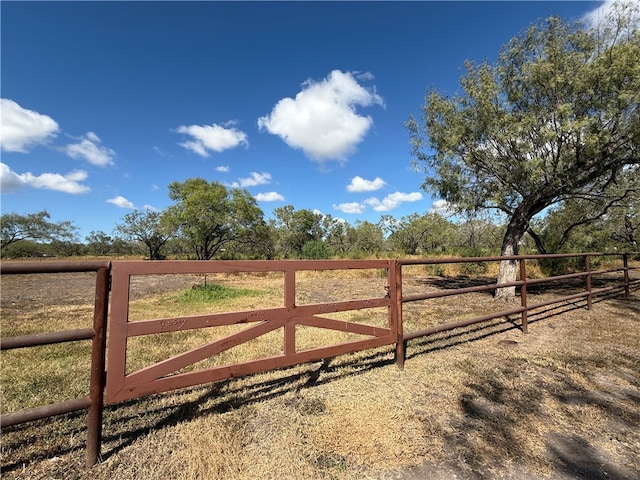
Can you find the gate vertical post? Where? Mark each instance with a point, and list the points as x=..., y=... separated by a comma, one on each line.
x=395, y=293
x=97, y=380
x=625, y=265
x=587, y=269
x=523, y=294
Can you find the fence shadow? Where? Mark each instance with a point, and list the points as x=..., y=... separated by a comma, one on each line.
x=493, y=413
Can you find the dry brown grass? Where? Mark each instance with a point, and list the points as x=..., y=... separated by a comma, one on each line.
x=484, y=401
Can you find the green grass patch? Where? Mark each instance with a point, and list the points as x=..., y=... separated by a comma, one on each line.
x=209, y=293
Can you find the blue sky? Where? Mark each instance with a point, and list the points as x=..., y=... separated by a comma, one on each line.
x=106, y=103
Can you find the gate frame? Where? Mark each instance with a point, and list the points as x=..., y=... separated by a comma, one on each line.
x=157, y=377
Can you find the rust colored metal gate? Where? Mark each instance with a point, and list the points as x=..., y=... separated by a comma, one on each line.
x=166, y=375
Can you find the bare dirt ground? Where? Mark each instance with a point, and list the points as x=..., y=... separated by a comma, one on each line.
x=564, y=391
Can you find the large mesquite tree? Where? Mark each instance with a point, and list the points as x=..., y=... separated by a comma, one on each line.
x=555, y=117
x=209, y=216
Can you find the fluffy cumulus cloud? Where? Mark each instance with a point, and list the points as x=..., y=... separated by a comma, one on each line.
x=121, y=202
x=352, y=207
x=255, y=179
x=322, y=119
x=359, y=184
x=222, y=168
x=393, y=200
x=214, y=137
x=11, y=181
x=269, y=197
x=21, y=129
x=90, y=148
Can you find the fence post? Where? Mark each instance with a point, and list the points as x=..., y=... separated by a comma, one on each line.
x=395, y=293
x=523, y=295
x=625, y=264
x=97, y=381
x=587, y=269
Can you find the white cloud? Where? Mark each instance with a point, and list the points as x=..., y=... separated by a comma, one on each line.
x=149, y=207
x=442, y=207
x=322, y=120
x=212, y=137
x=359, y=184
x=353, y=207
x=223, y=168
x=269, y=197
x=255, y=179
x=21, y=128
x=599, y=15
x=69, y=183
x=121, y=202
x=393, y=200
x=90, y=148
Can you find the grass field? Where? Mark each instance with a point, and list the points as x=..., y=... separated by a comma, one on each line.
x=484, y=402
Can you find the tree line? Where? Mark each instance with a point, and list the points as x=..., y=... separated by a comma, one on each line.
x=211, y=221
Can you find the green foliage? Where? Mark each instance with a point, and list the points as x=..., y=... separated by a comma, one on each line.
x=474, y=268
x=365, y=238
x=428, y=234
x=606, y=222
x=435, y=269
x=208, y=293
x=315, y=250
x=99, y=243
x=208, y=216
x=35, y=227
x=295, y=229
x=24, y=249
x=147, y=228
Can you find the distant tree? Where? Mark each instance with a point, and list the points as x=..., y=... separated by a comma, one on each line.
x=60, y=248
x=608, y=220
x=147, y=228
x=477, y=235
x=208, y=216
x=415, y=233
x=336, y=234
x=35, y=227
x=259, y=244
x=296, y=228
x=556, y=117
x=316, y=250
x=99, y=243
x=366, y=238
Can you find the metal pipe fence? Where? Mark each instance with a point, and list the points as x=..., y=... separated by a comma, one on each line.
x=122, y=385
x=94, y=401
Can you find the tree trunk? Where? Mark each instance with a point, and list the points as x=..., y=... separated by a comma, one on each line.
x=508, y=270
x=507, y=273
